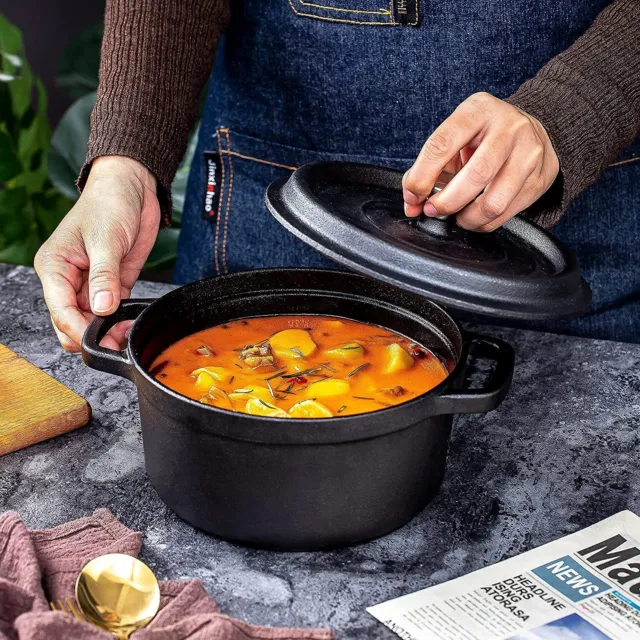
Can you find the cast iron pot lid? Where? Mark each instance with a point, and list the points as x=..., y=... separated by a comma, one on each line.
x=353, y=213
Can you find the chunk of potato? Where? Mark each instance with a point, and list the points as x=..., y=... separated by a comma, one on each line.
x=208, y=376
x=328, y=389
x=364, y=384
x=397, y=359
x=310, y=409
x=241, y=396
x=292, y=343
x=347, y=352
x=258, y=407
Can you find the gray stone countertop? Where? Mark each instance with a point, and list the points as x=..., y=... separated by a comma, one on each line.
x=561, y=453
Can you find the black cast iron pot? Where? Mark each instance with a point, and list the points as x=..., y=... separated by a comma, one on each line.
x=296, y=483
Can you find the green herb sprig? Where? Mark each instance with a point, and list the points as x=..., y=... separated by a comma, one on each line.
x=366, y=365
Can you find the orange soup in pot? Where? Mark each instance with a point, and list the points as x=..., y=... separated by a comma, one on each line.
x=298, y=367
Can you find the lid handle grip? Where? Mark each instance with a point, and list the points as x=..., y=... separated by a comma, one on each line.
x=441, y=226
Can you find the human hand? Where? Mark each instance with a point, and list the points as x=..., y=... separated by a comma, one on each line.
x=499, y=161
x=94, y=257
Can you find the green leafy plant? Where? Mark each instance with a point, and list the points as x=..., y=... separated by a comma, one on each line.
x=30, y=207
x=79, y=65
x=78, y=76
x=37, y=170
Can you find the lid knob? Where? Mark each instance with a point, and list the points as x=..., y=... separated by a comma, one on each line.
x=441, y=227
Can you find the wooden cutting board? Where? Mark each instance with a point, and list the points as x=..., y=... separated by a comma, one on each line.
x=33, y=405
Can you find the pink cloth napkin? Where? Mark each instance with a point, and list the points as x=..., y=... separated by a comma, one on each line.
x=38, y=566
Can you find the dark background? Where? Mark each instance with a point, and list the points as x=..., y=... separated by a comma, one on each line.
x=47, y=27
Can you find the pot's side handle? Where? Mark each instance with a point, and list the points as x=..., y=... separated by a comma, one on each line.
x=491, y=395
x=97, y=357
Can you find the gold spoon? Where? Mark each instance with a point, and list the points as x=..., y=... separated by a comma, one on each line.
x=118, y=593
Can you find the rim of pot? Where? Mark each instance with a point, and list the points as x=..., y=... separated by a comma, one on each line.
x=253, y=428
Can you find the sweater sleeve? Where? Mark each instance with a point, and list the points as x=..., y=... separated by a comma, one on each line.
x=588, y=100
x=156, y=57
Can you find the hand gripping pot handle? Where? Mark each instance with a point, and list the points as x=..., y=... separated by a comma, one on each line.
x=494, y=390
x=108, y=360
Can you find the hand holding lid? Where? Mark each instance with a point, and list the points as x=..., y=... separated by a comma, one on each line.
x=353, y=214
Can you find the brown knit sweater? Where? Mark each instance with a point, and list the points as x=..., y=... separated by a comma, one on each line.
x=156, y=57
x=157, y=54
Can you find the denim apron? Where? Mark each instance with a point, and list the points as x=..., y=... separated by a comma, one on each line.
x=360, y=80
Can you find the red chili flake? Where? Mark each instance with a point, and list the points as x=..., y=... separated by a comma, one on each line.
x=417, y=351
x=300, y=380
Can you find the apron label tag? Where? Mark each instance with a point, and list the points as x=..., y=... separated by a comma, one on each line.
x=213, y=185
x=405, y=12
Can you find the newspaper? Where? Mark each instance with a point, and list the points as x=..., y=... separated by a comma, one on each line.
x=586, y=585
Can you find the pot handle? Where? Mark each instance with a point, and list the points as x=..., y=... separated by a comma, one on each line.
x=109, y=360
x=491, y=395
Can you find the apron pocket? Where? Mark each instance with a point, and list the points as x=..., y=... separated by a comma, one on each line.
x=246, y=235
x=365, y=12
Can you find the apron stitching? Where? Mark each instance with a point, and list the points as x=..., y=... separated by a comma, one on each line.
x=311, y=15
x=627, y=161
x=274, y=164
x=226, y=212
x=228, y=207
x=215, y=242
x=321, y=6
